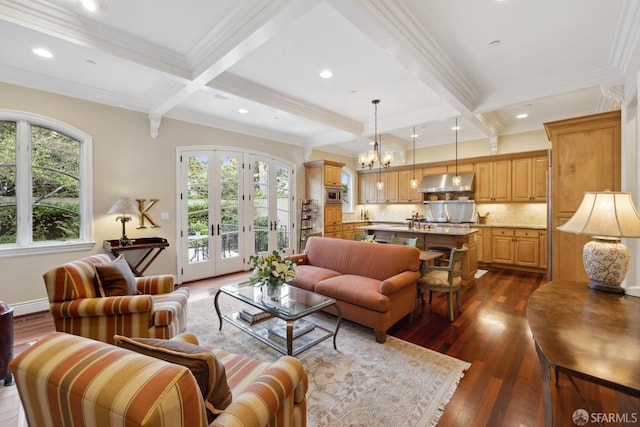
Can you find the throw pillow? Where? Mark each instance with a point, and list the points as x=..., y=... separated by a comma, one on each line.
x=205, y=367
x=115, y=278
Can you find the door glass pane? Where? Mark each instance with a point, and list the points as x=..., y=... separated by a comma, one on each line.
x=8, y=214
x=198, y=208
x=229, y=205
x=55, y=180
x=283, y=206
x=261, y=205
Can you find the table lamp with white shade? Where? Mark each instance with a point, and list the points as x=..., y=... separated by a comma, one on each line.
x=607, y=216
x=124, y=207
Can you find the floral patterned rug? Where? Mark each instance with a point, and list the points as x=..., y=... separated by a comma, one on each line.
x=363, y=383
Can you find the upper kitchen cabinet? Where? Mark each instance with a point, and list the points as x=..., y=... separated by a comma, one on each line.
x=493, y=181
x=529, y=179
x=368, y=191
x=367, y=188
x=389, y=191
x=585, y=156
x=406, y=194
x=332, y=174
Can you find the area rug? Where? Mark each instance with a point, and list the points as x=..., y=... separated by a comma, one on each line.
x=363, y=383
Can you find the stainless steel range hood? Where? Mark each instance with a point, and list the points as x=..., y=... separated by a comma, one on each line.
x=444, y=183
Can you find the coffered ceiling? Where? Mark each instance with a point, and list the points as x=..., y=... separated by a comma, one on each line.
x=428, y=61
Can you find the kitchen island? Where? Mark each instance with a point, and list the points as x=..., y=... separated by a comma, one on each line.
x=443, y=237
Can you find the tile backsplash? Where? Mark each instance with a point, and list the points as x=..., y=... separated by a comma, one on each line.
x=534, y=214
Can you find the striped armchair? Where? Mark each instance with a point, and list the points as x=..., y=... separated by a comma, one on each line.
x=158, y=311
x=69, y=381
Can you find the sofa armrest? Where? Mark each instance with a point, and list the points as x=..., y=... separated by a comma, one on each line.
x=154, y=285
x=299, y=259
x=399, y=281
x=273, y=395
x=106, y=306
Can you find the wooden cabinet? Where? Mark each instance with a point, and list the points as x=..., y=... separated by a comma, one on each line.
x=367, y=188
x=493, y=181
x=332, y=175
x=483, y=237
x=516, y=246
x=585, y=156
x=351, y=229
x=529, y=179
x=543, y=259
x=406, y=194
x=389, y=192
x=462, y=167
x=318, y=175
x=333, y=221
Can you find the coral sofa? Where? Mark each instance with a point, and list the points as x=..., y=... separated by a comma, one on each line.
x=374, y=284
x=67, y=380
x=154, y=310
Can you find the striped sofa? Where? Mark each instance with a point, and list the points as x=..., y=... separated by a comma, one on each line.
x=158, y=311
x=71, y=381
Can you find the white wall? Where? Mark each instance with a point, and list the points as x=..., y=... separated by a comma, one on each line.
x=127, y=161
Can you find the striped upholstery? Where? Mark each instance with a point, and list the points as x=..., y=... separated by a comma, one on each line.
x=77, y=308
x=65, y=380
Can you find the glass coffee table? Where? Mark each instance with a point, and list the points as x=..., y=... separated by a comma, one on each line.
x=285, y=325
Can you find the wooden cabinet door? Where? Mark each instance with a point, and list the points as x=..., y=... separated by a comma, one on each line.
x=406, y=194
x=521, y=180
x=333, y=215
x=389, y=192
x=539, y=179
x=502, y=247
x=542, y=261
x=367, y=188
x=484, y=181
x=332, y=176
x=526, y=248
x=501, y=178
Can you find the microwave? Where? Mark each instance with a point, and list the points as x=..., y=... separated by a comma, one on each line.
x=332, y=196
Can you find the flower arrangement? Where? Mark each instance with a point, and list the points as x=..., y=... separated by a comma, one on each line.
x=272, y=269
x=369, y=241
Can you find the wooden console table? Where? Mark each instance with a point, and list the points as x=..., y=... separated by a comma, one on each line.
x=586, y=334
x=151, y=245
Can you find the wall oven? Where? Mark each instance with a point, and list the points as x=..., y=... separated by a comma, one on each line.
x=332, y=196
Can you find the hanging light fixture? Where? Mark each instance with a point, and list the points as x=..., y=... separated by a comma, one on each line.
x=414, y=182
x=457, y=180
x=370, y=158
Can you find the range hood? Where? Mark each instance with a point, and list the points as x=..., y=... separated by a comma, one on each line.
x=444, y=183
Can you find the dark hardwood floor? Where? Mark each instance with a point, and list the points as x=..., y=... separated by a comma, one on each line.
x=502, y=387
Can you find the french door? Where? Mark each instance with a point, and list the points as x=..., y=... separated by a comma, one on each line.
x=211, y=236
x=272, y=198
x=231, y=205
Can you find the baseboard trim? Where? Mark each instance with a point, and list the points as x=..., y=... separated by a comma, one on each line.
x=29, y=307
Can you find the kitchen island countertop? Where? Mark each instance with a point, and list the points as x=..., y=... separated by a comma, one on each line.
x=449, y=231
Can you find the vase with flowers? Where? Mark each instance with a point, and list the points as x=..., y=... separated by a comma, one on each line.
x=271, y=271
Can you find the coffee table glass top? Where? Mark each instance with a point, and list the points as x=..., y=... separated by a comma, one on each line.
x=290, y=303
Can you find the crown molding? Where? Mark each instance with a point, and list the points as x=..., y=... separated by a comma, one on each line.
x=57, y=22
x=627, y=37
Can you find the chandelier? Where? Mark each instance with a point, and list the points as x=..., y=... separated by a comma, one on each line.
x=369, y=158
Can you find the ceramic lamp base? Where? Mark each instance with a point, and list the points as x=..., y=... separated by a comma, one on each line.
x=606, y=262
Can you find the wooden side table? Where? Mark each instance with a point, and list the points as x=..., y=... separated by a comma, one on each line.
x=152, y=247
x=586, y=334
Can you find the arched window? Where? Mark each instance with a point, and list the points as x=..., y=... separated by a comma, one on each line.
x=347, y=190
x=46, y=202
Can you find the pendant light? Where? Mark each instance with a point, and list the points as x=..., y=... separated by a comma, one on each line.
x=414, y=182
x=457, y=180
x=369, y=159
x=377, y=145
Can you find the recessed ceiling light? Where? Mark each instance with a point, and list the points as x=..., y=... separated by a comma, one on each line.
x=44, y=53
x=522, y=116
x=90, y=5
x=243, y=111
x=455, y=128
x=326, y=74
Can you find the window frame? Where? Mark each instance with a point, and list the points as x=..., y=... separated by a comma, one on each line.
x=350, y=174
x=24, y=245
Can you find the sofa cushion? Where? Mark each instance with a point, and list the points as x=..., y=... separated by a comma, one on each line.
x=362, y=259
x=357, y=290
x=115, y=278
x=308, y=275
x=209, y=372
